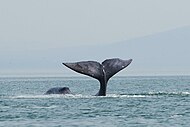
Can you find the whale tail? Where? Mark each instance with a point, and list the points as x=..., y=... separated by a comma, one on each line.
x=102, y=72
x=108, y=68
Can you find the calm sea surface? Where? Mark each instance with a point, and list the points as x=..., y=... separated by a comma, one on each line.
x=130, y=102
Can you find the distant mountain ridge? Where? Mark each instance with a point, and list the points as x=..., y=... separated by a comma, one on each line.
x=166, y=51
x=162, y=52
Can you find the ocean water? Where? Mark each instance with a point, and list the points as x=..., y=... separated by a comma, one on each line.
x=130, y=102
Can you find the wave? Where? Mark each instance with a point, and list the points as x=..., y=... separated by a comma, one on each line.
x=151, y=94
x=167, y=93
x=138, y=95
x=68, y=96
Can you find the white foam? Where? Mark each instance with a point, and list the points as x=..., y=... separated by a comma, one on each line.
x=168, y=93
x=73, y=96
x=143, y=95
x=186, y=93
x=44, y=107
x=125, y=96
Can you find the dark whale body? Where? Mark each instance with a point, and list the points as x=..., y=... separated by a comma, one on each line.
x=102, y=72
x=59, y=90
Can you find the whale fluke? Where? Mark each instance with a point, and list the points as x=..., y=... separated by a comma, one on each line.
x=102, y=72
x=113, y=66
x=90, y=68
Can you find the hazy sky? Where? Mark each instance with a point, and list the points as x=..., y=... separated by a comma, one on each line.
x=49, y=24
x=54, y=23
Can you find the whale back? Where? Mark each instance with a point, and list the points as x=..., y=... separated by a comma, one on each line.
x=59, y=90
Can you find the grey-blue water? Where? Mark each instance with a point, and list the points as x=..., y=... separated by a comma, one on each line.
x=130, y=101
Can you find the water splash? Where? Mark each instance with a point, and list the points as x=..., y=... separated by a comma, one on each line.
x=138, y=95
x=169, y=93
